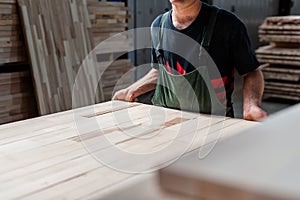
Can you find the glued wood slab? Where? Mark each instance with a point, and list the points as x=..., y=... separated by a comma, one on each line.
x=260, y=163
x=280, y=38
x=278, y=61
x=8, y=1
x=58, y=40
x=11, y=42
x=283, y=20
x=280, y=29
x=17, y=101
x=108, y=19
x=272, y=94
x=278, y=51
x=47, y=158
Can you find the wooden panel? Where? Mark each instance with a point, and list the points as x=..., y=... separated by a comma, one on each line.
x=278, y=51
x=57, y=35
x=283, y=90
x=280, y=29
x=144, y=187
x=261, y=163
x=278, y=55
x=116, y=76
x=11, y=41
x=282, y=55
x=17, y=101
x=282, y=82
x=45, y=158
x=108, y=19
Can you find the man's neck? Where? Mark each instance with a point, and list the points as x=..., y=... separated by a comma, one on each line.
x=183, y=15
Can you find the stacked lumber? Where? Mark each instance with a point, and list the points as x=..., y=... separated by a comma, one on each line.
x=116, y=76
x=282, y=74
x=17, y=101
x=11, y=41
x=107, y=20
x=280, y=29
x=58, y=41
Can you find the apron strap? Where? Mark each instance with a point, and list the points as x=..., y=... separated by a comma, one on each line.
x=161, y=32
x=210, y=28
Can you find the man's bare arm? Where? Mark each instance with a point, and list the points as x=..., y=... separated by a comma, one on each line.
x=143, y=85
x=252, y=94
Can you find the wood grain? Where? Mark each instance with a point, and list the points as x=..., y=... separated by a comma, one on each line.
x=260, y=163
x=282, y=56
x=280, y=29
x=57, y=36
x=17, y=100
x=11, y=40
x=46, y=158
x=108, y=19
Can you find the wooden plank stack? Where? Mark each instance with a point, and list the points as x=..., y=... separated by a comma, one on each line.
x=116, y=76
x=58, y=40
x=280, y=29
x=11, y=40
x=17, y=100
x=282, y=74
x=107, y=20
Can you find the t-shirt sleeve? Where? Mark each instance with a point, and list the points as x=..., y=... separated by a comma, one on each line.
x=243, y=55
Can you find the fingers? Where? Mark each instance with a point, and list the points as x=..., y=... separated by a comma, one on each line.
x=124, y=95
x=255, y=113
x=116, y=96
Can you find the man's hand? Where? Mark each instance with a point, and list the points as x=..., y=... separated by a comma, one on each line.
x=145, y=84
x=124, y=95
x=252, y=92
x=254, y=113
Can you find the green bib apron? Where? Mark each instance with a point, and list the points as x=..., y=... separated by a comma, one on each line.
x=192, y=91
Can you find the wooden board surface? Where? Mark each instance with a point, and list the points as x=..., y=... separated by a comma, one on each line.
x=144, y=186
x=261, y=163
x=280, y=29
x=46, y=158
x=283, y=20
x=284, y=90
x=17, y=100
x=282, y=56
x=58, y=40
x=11, y=40
x=108, y=19
x=281, y=72
x=278, y=51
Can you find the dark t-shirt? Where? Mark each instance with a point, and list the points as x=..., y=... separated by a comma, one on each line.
x=229, y=48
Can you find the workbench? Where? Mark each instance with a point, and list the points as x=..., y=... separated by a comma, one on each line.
x=87, y=152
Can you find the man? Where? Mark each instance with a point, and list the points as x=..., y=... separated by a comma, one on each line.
x=228, y=46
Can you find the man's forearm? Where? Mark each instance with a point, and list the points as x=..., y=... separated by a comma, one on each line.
x=252, y=95
x=253, y=88
x=145, y=84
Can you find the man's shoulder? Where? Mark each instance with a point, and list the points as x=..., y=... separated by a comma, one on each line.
x=157, y=20
x=230, y=18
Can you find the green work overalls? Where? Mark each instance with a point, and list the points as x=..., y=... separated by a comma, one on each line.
x=192, y=91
